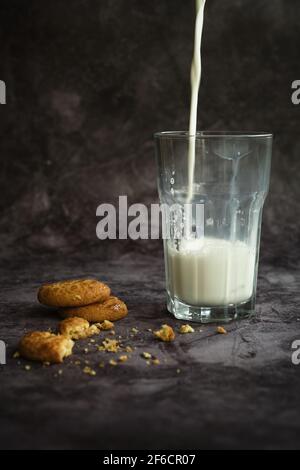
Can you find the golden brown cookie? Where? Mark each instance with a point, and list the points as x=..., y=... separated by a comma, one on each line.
x=45, y=347
x=73, y=293
x=111, y=309
x=77, y=328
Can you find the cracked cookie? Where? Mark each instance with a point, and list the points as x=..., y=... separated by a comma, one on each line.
x=45, y=347
x=77, y=328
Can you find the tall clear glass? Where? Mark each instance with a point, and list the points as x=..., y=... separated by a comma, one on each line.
x=211, y=269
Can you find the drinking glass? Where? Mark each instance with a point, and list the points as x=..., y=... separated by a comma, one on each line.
x=212, y=214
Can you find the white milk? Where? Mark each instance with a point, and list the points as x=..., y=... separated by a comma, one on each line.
x=195, y=85
x=211, y=272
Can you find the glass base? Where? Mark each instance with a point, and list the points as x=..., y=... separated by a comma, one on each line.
x=222, y=314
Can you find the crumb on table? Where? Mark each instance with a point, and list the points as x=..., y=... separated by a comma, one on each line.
x=166, y=333
x=89, y=371
x=184, y=329
x=221, y=330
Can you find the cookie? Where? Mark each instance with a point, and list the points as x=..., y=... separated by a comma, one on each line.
x=45, y=347
x=77, y=328
x=73, y=293
x=111, y=309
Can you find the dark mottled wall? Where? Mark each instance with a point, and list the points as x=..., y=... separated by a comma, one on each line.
x=89, y=81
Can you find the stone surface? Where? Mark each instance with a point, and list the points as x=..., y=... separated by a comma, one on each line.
x=238, y=390
x=88, y=83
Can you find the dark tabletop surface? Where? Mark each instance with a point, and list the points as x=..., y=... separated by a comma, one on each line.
x=238, y=390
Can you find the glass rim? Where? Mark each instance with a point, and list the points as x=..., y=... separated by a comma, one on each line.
x=212, y=134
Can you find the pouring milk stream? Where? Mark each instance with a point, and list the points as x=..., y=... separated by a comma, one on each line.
x=195, y=85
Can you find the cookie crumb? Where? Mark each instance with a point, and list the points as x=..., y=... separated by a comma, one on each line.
x=221, y=330
x=184, y=329
x=86, y=350
x=109, y=345
x=112, y=333
x=60, y=372
x=129, y=349
x=134, y=330
x=156, y=361
x=146, y=355
x=89, y=371
x=178, y=371
x=105, y=325
x=16, y=355
x=101, y=365
x=46, y=363
x=123, y=358
x=77, y=363
x=27, y=367
x=166, y=333
x=113, y=362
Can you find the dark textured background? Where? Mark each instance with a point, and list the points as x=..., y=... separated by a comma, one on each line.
x=88, y=82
